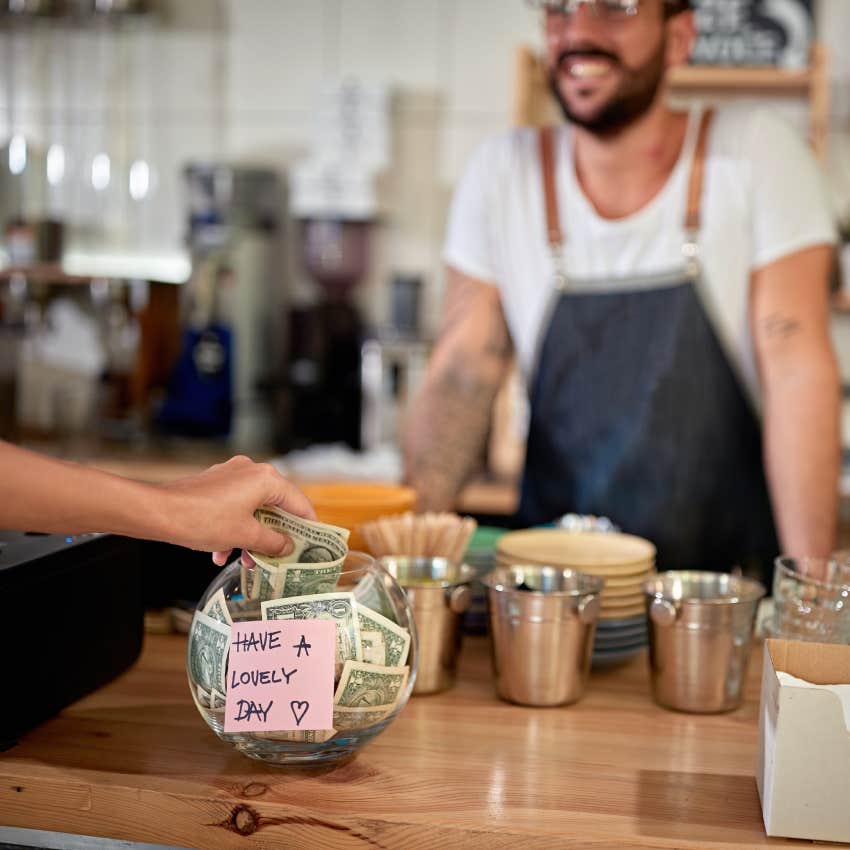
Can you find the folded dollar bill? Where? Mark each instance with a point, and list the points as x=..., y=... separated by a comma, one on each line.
x=368, y=685
x=209, y=642
x=299, y=736
x=374, y=648
x=204, y=697
x=313, y=566
x=371, y=592
x=360, y=718
x=340, y=607
x=315, y=542
x=393, y=639
x=217, y=608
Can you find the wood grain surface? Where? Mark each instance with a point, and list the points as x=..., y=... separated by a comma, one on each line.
x=459, y=769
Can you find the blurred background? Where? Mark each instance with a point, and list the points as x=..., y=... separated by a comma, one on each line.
x=222, y=221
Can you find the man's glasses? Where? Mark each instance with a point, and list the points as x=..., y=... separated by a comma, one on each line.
x=611, y=10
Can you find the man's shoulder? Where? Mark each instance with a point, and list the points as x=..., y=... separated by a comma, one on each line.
x=742, y=130
x=503, y=152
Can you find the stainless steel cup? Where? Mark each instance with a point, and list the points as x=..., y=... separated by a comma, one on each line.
x=439, y=593
x=542, y=622
x=700, y=635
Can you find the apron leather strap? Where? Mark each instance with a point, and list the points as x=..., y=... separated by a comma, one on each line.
x=692, y=217
x=547, y=164
x=554, y=233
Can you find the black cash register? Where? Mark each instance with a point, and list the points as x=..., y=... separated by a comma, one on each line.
x=72, y=618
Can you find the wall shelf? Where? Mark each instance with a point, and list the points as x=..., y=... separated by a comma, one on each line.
x=43, y=273
x=78, y=267
x=708, y=78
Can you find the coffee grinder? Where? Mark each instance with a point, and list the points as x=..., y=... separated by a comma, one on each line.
x=335, y=206
x=326, y=337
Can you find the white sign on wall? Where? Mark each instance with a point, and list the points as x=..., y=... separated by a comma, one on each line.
x=351, y=145
x=753, y=32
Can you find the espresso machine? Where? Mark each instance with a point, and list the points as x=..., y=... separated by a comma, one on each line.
x=228, y=375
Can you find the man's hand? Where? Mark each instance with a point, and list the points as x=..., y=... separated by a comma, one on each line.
x=214, y=510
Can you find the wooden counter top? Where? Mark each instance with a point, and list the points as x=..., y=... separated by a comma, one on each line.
x=460, y=769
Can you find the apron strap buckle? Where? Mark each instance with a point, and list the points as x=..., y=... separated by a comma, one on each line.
x=559, y=277
x=691, y=253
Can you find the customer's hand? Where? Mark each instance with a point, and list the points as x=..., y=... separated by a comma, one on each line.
x=214, y=510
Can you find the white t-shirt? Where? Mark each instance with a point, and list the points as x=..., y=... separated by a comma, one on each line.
x=763, y=197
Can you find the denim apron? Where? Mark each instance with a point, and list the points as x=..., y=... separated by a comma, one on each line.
x=637, y=415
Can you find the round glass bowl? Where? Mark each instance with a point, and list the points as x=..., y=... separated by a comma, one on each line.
x=811, y=599
x=368, y=707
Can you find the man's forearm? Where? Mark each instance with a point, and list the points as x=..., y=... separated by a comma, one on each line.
x=803, y=456
x=446, y=433
x=447, y=424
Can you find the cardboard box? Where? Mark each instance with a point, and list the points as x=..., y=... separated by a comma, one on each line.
x=803, y=769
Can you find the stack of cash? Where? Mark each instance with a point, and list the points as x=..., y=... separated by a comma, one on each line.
x=371, y=669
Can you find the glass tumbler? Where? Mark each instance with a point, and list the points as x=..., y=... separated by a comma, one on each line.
x=811, y=599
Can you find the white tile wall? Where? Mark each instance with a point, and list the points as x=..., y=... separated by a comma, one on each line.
x=482, y=40
x=396, y=42
x=277, y=53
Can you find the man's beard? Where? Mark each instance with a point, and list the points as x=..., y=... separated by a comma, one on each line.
x=634, y=97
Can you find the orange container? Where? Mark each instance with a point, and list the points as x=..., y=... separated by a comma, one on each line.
x=351, y=503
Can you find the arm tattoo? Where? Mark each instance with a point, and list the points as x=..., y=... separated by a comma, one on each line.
x=452, y=435
x=451, y=424
x=782, y=327
x=498, y=343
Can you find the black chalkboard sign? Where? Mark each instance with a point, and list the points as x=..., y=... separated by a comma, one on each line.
x=753, y=32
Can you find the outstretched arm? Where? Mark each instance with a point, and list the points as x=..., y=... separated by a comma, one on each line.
x=801, y=383
x=447, y=424
x=212, y=511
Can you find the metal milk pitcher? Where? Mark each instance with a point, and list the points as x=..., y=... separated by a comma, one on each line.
x=700, y=635
x=542, y=623
x=439, y=593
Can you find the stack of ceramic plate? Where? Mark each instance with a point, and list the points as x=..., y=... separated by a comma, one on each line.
x=622, y=560
x=619, y=640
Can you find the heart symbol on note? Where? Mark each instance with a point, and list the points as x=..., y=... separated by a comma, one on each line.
x=299, y=709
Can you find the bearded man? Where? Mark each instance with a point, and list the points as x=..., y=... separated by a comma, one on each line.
x=662, y=278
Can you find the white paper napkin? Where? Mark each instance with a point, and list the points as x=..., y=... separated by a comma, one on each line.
x=841, y=691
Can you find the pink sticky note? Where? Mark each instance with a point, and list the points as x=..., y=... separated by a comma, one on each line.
x=280, y=676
